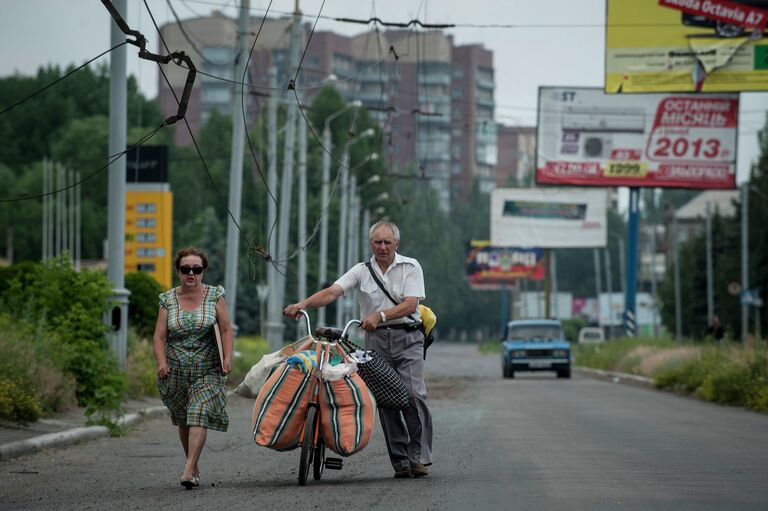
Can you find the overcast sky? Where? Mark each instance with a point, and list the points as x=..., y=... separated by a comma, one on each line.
x=553, y=42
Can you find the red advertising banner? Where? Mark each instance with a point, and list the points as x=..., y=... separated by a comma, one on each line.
x=732, y=13
x=589, y=138
x=487, y=267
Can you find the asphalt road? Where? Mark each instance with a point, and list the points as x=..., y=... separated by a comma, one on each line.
x=534, y=442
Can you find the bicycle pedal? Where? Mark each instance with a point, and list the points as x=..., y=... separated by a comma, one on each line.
x=333, y=463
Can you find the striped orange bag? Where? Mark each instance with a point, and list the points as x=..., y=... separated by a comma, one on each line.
x=281, y=408
x=347, y=412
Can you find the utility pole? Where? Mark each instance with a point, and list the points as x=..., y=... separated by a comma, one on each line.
x=630, y=296
x=744, y=259
x=598, y=283
x=350, y=240
x=118, y=101
x=275, y=325
x=325, y=203
x=78, y=221
x=324, y=214
x=46, y=198
x=710, y=288
x=653, y=267
x=676, y=262
x=609, y=286
x=271, y=197
x=236, y=164
x=343, y=204
x=302, y=284
x=553, y=269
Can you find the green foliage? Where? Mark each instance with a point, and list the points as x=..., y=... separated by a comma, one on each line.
x=72, y=305
x=723, y=374
x=571, y=329
x=616, y=355
x=16, y=404
x=249, y=350
x=141, y=368
x=67, y=122
x=490, y=347
x=143, y=302
x=33, y=359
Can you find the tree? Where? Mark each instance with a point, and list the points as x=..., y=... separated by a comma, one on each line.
x=68, y=123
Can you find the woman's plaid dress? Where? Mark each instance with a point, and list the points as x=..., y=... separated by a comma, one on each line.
x=194, y=391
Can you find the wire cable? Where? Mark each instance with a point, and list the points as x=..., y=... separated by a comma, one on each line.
x=21, y=101
x=111, y=159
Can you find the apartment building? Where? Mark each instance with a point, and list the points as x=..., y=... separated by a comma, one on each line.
x=433, y=99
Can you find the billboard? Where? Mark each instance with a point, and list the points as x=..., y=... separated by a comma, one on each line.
x=686, y=46
x=588, y=138
x=548, y=217
x=488, y=267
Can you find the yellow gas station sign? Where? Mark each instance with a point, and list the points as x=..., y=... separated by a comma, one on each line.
x=148, y=233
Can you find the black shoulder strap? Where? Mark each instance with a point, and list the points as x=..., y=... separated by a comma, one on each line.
x=381, y=286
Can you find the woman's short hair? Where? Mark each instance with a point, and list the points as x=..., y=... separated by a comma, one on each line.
x=190, y=251
x=383, y=223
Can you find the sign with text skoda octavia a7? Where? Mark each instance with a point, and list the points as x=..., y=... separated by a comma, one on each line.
x=686, y=46
x=548, y=217
x=586, y=137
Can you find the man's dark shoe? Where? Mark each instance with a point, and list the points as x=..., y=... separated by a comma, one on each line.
x=419, y=470
x=403, y=473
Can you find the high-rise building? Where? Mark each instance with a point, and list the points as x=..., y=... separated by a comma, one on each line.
x=433, y=100
x=517, y=156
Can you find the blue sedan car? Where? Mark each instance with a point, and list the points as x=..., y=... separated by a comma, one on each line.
x=535, y=345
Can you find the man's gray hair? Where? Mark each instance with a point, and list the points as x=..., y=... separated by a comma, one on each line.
x=383, y=223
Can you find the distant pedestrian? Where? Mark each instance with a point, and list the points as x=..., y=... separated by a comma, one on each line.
x=190, y=373
x=715, y=329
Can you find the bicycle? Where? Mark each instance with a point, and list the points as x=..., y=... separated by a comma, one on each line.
x=312, y=442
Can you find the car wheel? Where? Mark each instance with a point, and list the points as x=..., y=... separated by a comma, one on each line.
x=507, y=371
x=564, y=373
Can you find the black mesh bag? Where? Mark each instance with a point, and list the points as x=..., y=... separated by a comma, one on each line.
x=382, y=380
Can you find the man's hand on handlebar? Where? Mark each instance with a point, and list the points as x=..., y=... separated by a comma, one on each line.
x=292, y=311
x=371, y=322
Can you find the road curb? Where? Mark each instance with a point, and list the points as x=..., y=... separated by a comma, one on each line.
x=75, y=435
x=631, y=379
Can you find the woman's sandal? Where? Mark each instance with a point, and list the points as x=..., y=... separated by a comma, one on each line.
x=190, y=482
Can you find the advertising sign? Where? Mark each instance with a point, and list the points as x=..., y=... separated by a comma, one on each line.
x=488, y=267
x=686, y=46
x=548, y=217
x=588, y=138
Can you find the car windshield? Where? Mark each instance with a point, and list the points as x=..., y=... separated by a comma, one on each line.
x=591, y=335
x=535, y=332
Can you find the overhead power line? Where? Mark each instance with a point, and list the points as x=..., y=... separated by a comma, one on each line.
x=14, y=105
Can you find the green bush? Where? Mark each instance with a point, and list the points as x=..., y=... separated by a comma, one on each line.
x=17, y=405
x=69, y=306
x=613, y=355
x=32, y=359
x=143, y=304
x=141, y=367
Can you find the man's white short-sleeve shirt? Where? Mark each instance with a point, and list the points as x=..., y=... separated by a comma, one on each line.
x=403, y=278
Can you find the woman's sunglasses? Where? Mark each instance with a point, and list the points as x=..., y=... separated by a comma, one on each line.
x=186, y=270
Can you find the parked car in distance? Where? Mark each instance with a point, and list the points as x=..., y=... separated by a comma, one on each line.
x=535, y=345
x=591, y=335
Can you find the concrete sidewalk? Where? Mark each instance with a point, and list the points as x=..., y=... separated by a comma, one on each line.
x=68, y=428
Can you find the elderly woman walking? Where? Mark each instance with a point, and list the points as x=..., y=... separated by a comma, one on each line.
x=190, y=372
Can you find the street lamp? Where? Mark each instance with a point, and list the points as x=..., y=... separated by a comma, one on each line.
x=343, y=212
x=324, y=200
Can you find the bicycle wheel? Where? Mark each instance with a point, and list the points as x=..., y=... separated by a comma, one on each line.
x=319, y=461
x=306, y=445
